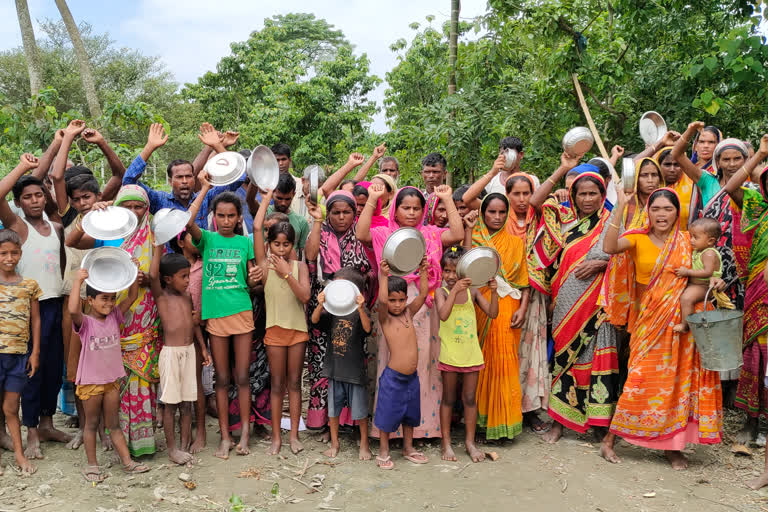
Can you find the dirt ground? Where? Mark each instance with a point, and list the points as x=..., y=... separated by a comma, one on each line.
x=529, y=474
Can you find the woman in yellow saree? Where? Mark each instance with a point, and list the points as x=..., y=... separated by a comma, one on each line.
x=499, y=398
x=669, y=399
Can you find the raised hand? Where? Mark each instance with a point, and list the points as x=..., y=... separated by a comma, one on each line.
x=356, y=159
x=670, y=138
x=499, y=163
x=28, y=161
x=695, y=126
x=424, y=265
x=157, y=136
x=384, y=268
x=314, y=210
x=376, y=191
x=82, y=275
x=75, y=128
x=493, y=285
x=229, y=138
x=623, y=197
x=58, y=135
x=92, y=136
x=561, y=195
x=321, y=298
x=204, y=179
x=470, y=219
x=763, y=149
x=444, y=192
x=568, y=161
x=462, y=284
x=617, y=152
x=359, y=300
x=379, y=150
x=208, y=135
x=101, y=205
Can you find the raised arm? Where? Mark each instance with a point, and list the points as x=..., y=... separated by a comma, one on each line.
x=10, y=220
x=73, y=129
x=258, y=229
x=567, y=162
x=383, y=296
x=378, y=152
x=210, y=137
x=318, y=312
x=470, y=219
x=333, y=181
x=79, y=239
x=312, y=247
x=678, y=151
x=363, y=228
x=445, y=301
x=733, y=187
x=612, y=244
x=192, y=228
x=132, y=295
x=417, y=302
x=471, y=196
x=250, y=198
x=75, y=303
x=154, y=272
x=490, y=308
x=365, y=320
x=47, y=159
x=616, y=153
x=455, y=231
x=112, y=186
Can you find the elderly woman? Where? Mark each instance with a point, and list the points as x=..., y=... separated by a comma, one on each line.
x=669, y=399
x=331, y=245
x=585, y=372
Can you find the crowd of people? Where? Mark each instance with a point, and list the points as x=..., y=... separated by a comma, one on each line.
x=584, y=327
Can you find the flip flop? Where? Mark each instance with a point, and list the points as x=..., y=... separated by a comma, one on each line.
x=416, y=458
x=540, y=427
x=93, y=474
x=135, y=468
x=385, y=463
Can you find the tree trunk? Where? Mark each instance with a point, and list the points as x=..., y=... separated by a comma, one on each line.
x=30, y=47
x=453, y=47
x=82, y=59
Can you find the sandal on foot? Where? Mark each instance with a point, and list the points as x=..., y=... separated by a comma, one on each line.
x=416, y=458
x=385, y=462
x=135, y=468
x=540, y=427
x=93, y=474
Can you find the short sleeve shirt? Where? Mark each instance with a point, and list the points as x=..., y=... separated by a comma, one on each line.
x=15, y=310
x=225, y=272
x=101, y=360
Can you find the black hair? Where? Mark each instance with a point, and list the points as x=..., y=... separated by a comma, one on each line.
x=517, y=179
x=764, y=183
x=434, y=160
x=667, y=194
x=346, y=182
x=9, y=235
x=409, y=192
x=396, y=284
x=281, y=149
x=170, y=264
x=227, y=197
x=490, y=197
x=360, y=190
x=602, y=168
x=452, y=254
x=279, y=216
x=246, y=153
x=390, y=159
x=709, y=225
x=76, y=170
x=24, y=182
x=714, y=130
x=458, y=194
x=352, y=275
x=84, y=183
x=591, y=179
x=511, y=143
x=178, y=162
x=278, y=228
x=663, y=155
x=91, y=292
x=286, y=184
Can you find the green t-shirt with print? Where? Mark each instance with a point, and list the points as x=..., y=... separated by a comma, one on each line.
x=225, y=272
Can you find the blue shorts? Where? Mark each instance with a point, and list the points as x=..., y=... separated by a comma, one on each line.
x=399, y=401
x=354, y=396
x=13, y=372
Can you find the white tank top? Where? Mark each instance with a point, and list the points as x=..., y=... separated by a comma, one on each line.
x=41, y=260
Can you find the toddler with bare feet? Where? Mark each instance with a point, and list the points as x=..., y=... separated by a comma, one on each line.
x=705, y=264
x=399, y=401
x=344, y=364
x=100, y=370
x=177, y=364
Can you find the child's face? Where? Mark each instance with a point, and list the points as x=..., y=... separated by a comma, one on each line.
x=449, y=273
x=103, y=303
x=396, y=303
x=178, y=282
x=83, y=200
x=227, y=218
x=701, y=240
x=188, y=247
x=360, y=201
x=32, y=201
x=269, y=223
x=281, y=246
x=10, y=254
x=461, y=208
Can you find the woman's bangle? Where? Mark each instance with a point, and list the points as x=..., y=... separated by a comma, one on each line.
x=286, y=276
x=746, y=173
x=614, y=226
x=370, y=204
x=550, y=180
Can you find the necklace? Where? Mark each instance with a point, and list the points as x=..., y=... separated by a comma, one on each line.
x=405, y=322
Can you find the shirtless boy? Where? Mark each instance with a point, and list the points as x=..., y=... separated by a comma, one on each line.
x=399, y=401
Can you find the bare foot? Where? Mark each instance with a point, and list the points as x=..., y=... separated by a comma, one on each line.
x=606, y=452
x=332, y=452
x=6, y=443
x=296, y=446
x=198, y=444
x=554, y=434
x=242, y=446
x=274, y=449
x=759, y=482
x=747, y=433
x=72, y=422
x=53, y=434
x=325, y=436
x=27, y=468
x=224, y=448
x=76, y=441
x=681, y=328
x=106, y=444
x=365, y=452
x=33, y=448
x=179, y=457
x=677, y=459
x=475, y=454
x=448, y=452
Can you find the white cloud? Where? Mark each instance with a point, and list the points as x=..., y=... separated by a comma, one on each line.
x=192, y=36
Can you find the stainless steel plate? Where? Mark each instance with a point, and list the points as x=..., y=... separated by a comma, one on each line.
x=628, y=174
x=480, y=265
x=511, y=157
x=111, y=223
x=225, y=168
x=341, y=297
x=263, y=168
x=167, y=223
x=578, y=141
x=110, y=269
x=652, y=127
x=404, y=250
x=314, y=183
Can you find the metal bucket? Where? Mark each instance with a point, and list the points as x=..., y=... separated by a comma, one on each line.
x=718, y=335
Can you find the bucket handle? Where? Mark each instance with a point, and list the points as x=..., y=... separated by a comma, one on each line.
x=706, y=299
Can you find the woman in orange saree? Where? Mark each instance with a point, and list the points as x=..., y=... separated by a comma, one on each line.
x=499, y=398
x=669, y=399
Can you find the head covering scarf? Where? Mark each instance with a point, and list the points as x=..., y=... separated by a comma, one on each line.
x=641, y=214
x=684, y=188
x=392, y=186
x=724, y=145
x=528, y=226
x=432, y=202
x=378, y=219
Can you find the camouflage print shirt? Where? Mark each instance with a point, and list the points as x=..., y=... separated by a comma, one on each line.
x=15, y=308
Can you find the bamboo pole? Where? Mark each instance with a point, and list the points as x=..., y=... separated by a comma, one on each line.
x=591, y=123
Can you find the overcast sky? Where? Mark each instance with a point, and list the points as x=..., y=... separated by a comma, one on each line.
x=192, y=35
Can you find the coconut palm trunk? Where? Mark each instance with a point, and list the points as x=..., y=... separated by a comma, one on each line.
x=30, y=47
